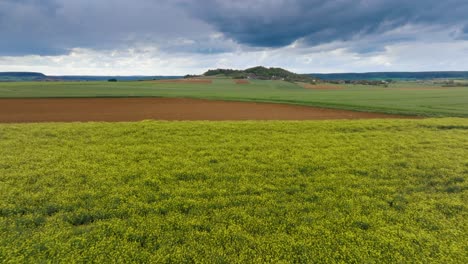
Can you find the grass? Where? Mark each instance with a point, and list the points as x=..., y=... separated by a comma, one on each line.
x=371, y=191
x=395, y=99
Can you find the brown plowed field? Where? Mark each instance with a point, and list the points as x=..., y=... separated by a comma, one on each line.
x=242, y=82
x=136, y=109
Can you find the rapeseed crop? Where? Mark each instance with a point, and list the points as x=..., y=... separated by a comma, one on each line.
x=371, y=191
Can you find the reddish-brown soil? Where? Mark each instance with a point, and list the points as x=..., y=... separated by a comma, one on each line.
x=242, y=82
x=202, y=81
x=136, y=109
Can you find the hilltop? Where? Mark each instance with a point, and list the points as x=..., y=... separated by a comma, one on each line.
x=261, y=73
x=37, y=76
x=22, y=76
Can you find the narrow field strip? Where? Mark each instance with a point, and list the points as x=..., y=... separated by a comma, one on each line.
x=241, y=81
x=200, y=81
x=321, y=86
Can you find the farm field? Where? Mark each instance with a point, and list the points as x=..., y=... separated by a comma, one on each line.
x=409, y=98
x=138, y=109
x=234, y=132
x=360, y=191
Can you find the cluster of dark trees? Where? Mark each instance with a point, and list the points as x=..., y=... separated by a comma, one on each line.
x=191, y=76
x=361, y=82
x=261, y=73
x=393, y=75
x=222, y=72
x=452, y=83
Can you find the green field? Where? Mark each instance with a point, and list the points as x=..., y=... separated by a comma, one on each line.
x=372, y=191
x=395, y=99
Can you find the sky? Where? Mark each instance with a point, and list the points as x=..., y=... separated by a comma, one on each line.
x=178, y=37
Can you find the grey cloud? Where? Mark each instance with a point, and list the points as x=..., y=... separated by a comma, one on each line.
x=278, y=23
x=50, y=27
x=465, y=32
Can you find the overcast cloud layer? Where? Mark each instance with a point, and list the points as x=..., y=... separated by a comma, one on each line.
x=164, y=37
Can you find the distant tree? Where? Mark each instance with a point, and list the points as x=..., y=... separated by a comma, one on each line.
x=112, y=80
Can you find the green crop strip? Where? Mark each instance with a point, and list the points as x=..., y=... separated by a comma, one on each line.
x=371, y=191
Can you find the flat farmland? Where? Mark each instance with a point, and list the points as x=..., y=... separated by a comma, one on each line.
x=358, y=191
x=138, y=109
x=407, y=98
x=390, y=190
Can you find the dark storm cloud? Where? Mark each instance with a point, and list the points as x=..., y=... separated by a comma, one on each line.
x=277, y=23
x=48, y=27
x=51, y=27
x=465, y=32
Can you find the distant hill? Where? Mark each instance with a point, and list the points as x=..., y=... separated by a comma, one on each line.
x=118, y=78
x=21, y=76
x=261, y=73
x=36, y=76
x=393, y=75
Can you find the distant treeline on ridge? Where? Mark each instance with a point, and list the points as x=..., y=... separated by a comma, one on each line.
x=393, y=75
x=261, y=73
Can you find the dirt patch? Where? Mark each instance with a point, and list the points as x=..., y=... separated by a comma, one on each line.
x=136, y=109
x=201, y=81
x=321, y=87
x=241, y=82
